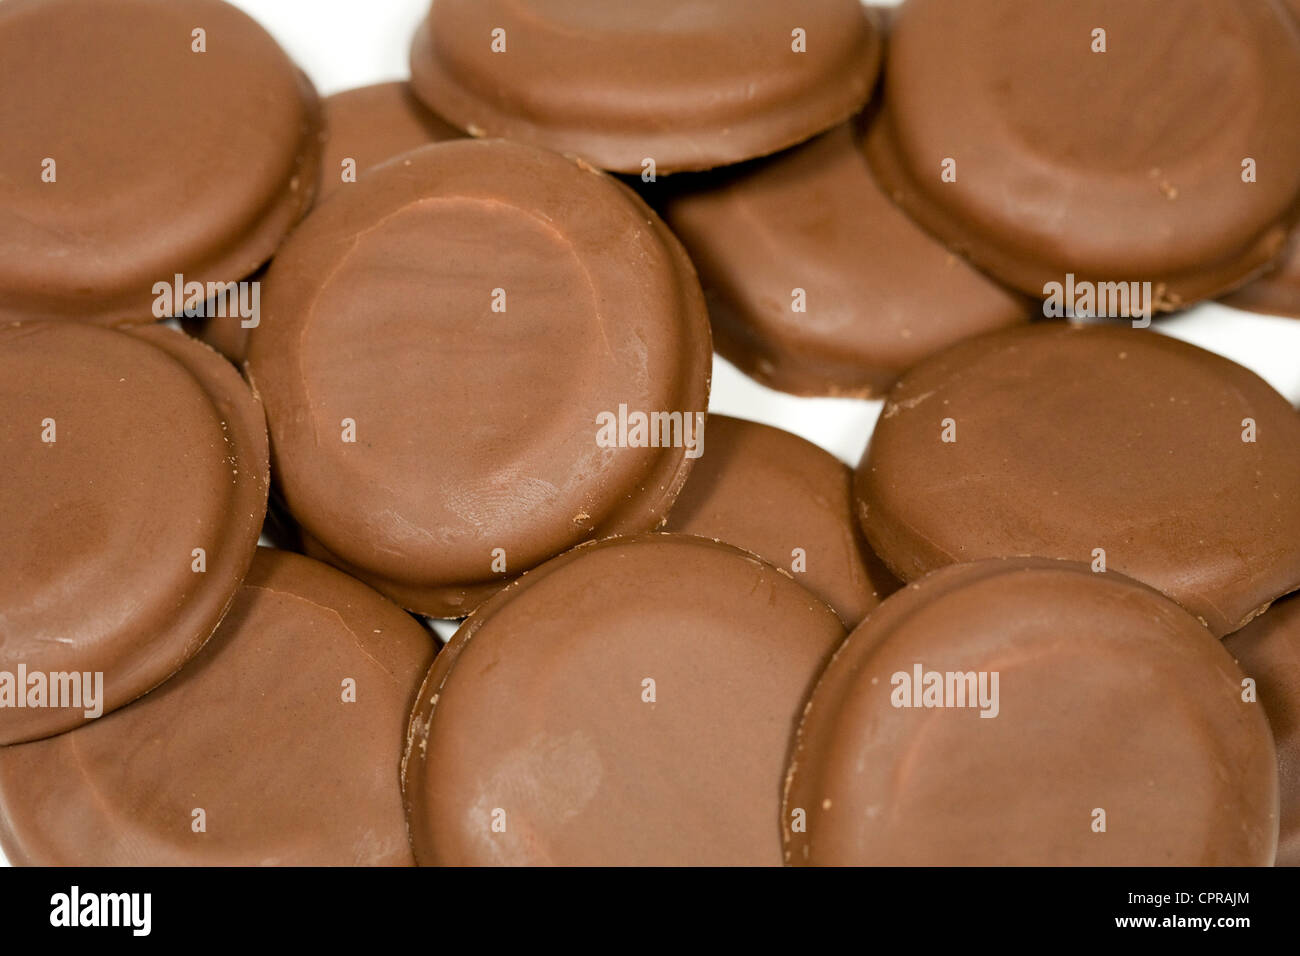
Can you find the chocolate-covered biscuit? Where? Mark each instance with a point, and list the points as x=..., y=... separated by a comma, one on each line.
x=630, y=702
x=1031, y=712
x=476, y=357
x=1268, y=651
x=816, y=283
x=143, y=140
x=363, y=128
x=280, y=743
x=1110, y=141
x=227, y=333
x=788, y=501
x=638, y=88
x=1276, y=292
x=135, y=482
x=1120, y=448
x=370, y=125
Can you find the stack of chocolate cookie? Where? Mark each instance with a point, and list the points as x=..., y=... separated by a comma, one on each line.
x=448, y=344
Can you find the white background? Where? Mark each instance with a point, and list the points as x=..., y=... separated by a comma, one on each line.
x=347, y=43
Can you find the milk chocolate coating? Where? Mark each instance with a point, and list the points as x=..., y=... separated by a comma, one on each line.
x=1110, y=698
x=1268, y=650
x=1125, y=165
x=538, y=714
x=770, y=492
x=879, y=294
x=159, y=449
x=690, y=85
x=167, y=161
x=255, y=732
x=476, y=430
x=1076, y=438
x=226, y=334
x=369, y=125
x=1276, y=292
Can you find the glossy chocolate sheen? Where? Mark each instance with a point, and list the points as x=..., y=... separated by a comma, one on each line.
x=256, y=732
x=1124, y=165
x=367, y=126
x=1070, y=440
x=476, y=454
x=816, y=283
x=791, y=503
x=690, y=85
x=166, y=161
x=1119, y=735
x=630, y=702
x=1268, y=651
x=158, y=448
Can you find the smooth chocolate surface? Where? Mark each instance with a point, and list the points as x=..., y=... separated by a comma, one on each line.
x=255, y=740
x=1122, y=165
x=689, y=85
x=773, y=493
x=630, y=702
x=372, y=124
x=363, y=128
x=128, y=157
x=1116, y=731
x=125, y=453
x=1277, y=291
x=473, y=309
x=1268, y=651
x=1070, y=440
x=816, y=283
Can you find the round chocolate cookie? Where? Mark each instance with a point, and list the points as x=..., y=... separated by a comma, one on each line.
x=816, y=283
x=280, y=743
x=1268, y=651
x=1031, y=713
x=133, y=491
x=630, y=702
x=1120, y=448
x=1276, y=292
x=789, y=502
x=476, y=357
x=363, y=128
x=372, y=124
x=678, y=84
x=1110, y=141
x=144, y=140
